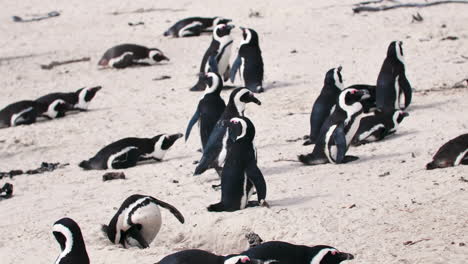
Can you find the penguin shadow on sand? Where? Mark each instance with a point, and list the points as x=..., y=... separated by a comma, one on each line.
x=417, y=107
x=291, y=201
x=279, y=84
x=152, y=162
x=286, y=166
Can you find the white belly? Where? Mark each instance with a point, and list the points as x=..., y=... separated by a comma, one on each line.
x=223, y=63
x=353, y=129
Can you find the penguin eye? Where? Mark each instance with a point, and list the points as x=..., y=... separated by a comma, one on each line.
x=334, y=252
x=353, y=91
x=245, y=260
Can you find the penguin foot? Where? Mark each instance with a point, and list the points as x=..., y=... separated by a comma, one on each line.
x=349, y=159
x=308, y=142
x=216, y=187
x=311, y=160
x=219, y=207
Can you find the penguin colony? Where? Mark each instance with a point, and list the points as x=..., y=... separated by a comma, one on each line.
x=341, y=117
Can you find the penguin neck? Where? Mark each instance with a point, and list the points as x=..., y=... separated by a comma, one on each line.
x=235, y=109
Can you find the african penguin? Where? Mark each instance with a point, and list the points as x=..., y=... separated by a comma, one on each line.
x=452, y=153
x=26, y=112
x=338, y=130
x=369, y=104
x=126, y=55
x=249, y=61
x=217, y=146
x=393, y=90
x=138, y=221
x=324, y=105
x=220, y=51
x=79, y=100
x=377, y=126
x=209, y=109
x=68, y=235
x=240, y=171
x=127, y=152
x=192, y=256
x=194, y=26
x=279, y=252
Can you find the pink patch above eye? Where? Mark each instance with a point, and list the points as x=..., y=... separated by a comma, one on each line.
x=334, y=252
x=244, y=260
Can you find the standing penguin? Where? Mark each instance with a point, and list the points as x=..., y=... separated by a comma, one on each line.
x=138, y=221
x=393, y=90
x=79, y=100
x=26, y=112
x=220, y=51
x=194, y=26
x=197, y=256
x=217, y=146
x=127, y=152
x=240, y=172
x=126, y=55
x=209, y=109
x=249, y=61
x=452, y=153
x=68, y=235
x=324, y=105
x=338, y=130
x=279, y=252
x=377, y=126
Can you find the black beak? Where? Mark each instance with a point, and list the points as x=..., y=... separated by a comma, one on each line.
x=345, y=256
x=163, y=57
x=339, y=68
x=230, y=26
x=175, y=137
x=96, y=89
x=253, y=99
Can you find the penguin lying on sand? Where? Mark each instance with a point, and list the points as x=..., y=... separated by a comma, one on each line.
x=68, y=235
x=26, y=112
x=194, y=26
x=452, y=153
x=79, y=100
x=138, y=221
x=197, y=256
x=125, y=55
x=127, y=152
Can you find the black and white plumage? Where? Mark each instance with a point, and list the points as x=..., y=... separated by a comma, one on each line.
x=279, y=252
x=369, y=104
x=68, y=235
x=377, y=125
x=125, y=55
x=220, y=51
x=217, y=146
x=338, y=130
x=393, y=89
x=138, y=221
x=26, y=112
x=452, y=153
x=194, y=26
x=324, y=105
x=209, y=109
x=78, y=100
x=127, y=152
x=197, y=256
x=249, y=61
x=241, y=175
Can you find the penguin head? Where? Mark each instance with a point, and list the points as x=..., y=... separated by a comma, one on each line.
x=333, y=78
x=327, y=255
x=241, y=128
x=162, y=143
x=249, y=37
x=57, y=109
x=156, y=55
x=212, y=81
x=395, y=51
x=241, y=96
x=220, y=20
x=85, y=95
x=68, y=235
x=350, y=100
x=221, y=31
x=240, y=259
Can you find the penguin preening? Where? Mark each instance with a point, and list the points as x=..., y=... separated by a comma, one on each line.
x=452, y=153
x=78, y=100
x=26, y=112
x=249, y=61
x=209, y=109
x=138, y=221
x=68, y=235
x=198, y=256
x=377, y=126
x=240, y=175
x=220, y=51
x=194, y=26
x=127, y=152
x=338, y=130
x=126, y=55
x=393, y=89
x=217, y=146
x=324, y=105
x=279, y=252
x=369, y=104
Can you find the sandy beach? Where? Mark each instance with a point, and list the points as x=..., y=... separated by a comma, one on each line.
x=369, y=207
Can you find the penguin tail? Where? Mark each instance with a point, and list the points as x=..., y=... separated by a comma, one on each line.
x=85, y=164
x=431, y=165
x=104, y=229
x=200, y=86
x=103, y=62
x=167, y=33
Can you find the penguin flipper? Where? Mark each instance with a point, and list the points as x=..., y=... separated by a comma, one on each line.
x=340, y=142
x=213, y=64
x=192, y=122
x=255, y=175
x=134, y=232
x=235, y=67
x=125, y=61
x=171, y=209
x=127, y=159
x=212, y=148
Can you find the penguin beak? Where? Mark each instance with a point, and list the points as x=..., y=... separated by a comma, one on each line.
x=175, y=137
x=345, y=256
x=230, y=26
x=96, y=89
x=163, y=57
x=253, y=99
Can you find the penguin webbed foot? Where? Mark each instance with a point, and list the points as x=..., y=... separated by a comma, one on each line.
x=309, y=159
x=219, y=207
x=349, y=159
x=104, y=229
x=216, y=187
x=308, y=142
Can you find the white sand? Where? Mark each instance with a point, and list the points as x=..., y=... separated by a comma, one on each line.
x=309, y=204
